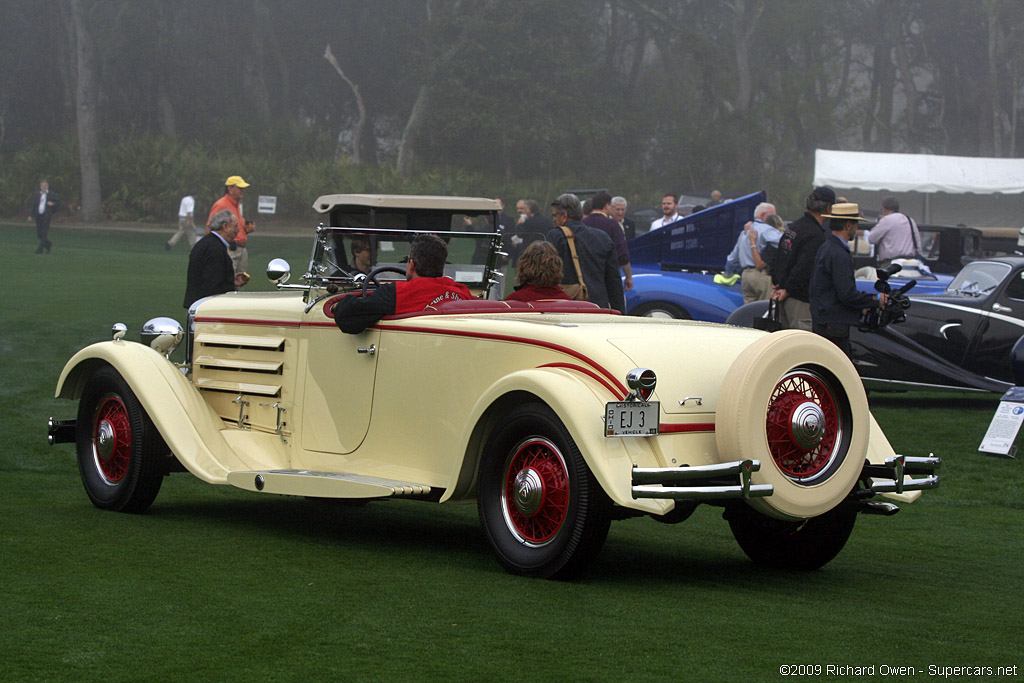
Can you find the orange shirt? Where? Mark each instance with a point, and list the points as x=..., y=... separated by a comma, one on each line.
x=226, y=202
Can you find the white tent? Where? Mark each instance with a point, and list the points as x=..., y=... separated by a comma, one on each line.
x=936, y=189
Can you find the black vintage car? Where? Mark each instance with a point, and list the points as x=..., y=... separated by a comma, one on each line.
x=959, y=340
x=943, y=248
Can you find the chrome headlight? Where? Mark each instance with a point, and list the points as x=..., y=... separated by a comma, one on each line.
x=278, y=271
x=163, y=334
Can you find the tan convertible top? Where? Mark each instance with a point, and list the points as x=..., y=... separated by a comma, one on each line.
x=405, y=201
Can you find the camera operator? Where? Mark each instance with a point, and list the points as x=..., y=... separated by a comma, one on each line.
x=836, y=303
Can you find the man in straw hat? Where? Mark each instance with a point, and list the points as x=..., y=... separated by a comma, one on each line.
x=836, y=303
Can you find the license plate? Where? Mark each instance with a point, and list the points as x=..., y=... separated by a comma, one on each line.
x=631, y=418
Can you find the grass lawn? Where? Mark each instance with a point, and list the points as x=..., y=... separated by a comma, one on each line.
x=215, y=583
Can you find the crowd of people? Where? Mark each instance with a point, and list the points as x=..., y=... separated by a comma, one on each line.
x=807, y=267
x=579, y=252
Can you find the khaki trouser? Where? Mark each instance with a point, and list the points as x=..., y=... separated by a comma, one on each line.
x=795, y=314
x=239, y=258
x=756, y=285
x=186, y=228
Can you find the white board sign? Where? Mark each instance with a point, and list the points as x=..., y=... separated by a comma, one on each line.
x=1004, y=427
x=267, y=204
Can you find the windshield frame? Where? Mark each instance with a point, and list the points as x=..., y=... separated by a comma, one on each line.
x=325, y=271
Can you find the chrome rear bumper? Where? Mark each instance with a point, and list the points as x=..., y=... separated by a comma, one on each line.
x=60, y=431
x=706, y=482
x=895, y=475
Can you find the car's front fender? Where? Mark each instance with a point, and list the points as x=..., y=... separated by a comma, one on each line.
x=185, y=421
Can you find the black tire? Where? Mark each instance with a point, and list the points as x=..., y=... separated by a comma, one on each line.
x=121, y=457
x=661, y=309
x=553, y=523
x=806, y=544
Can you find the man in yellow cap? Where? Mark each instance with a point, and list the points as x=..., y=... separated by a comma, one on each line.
x=234, y=190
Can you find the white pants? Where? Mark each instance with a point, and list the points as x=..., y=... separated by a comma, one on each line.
x=186, y=228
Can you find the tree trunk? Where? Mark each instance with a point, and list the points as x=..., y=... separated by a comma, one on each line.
x=86, y=115
x=744, y=24
x=406, y=150
x=993, y=119
x=360, y=129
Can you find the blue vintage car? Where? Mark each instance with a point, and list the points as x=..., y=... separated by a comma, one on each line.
x=674, y=267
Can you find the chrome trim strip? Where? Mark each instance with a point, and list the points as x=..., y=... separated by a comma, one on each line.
x=948, y=387
x=978, y=311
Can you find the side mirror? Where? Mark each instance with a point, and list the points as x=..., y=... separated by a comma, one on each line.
x=278, y=271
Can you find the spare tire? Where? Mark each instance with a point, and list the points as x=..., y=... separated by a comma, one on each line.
x=794, y=401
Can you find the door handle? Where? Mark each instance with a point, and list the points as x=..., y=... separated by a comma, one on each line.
x=999, y=308
x=372, y=350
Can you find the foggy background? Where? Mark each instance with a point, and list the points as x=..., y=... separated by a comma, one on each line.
x=124, y=105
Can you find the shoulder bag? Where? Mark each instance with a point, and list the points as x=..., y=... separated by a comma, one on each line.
x=577, y=292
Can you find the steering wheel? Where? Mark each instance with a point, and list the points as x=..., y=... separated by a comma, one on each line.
x=372, y=276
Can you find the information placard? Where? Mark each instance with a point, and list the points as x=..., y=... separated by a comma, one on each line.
x=1006, y=422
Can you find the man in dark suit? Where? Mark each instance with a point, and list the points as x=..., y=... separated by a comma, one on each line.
x=210, y=270
x=532, y=226
x=42, y=207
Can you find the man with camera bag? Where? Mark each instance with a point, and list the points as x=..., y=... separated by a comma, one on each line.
x=836, y=303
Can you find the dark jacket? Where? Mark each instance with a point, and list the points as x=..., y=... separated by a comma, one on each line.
x=33, y=205
x=210, y=270
x=534, y=228
x=610, y=227
x=629, y=227
x=598, y=263
x=794, y=272
x=834, y=294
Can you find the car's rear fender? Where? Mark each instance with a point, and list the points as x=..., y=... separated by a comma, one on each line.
x=186, y=422
x=580, y=409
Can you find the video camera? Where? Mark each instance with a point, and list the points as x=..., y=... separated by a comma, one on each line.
x=895, y=310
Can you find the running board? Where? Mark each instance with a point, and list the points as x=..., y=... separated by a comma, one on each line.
x=324, y=484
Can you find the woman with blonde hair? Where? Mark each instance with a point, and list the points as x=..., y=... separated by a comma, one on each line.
x=539, y=271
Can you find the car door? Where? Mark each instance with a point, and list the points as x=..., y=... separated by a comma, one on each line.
x=1003, y=324
x=340, y=374
x=946, y=326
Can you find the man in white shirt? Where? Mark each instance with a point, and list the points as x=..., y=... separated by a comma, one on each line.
x=895, y=235
x=668, y=208
x=186, y=226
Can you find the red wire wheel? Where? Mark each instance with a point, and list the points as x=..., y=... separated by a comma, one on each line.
x=112, y=439
x=535, y=491
x=803, y=424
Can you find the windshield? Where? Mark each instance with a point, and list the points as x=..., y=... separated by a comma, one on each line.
x=344, y=256
x=977, y=278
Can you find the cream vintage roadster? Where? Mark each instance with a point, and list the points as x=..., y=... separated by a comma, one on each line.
x=555, y=417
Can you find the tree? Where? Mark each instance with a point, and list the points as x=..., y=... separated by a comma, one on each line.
x=86, y=114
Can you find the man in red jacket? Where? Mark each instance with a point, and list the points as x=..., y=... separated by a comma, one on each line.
x=424, y=285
